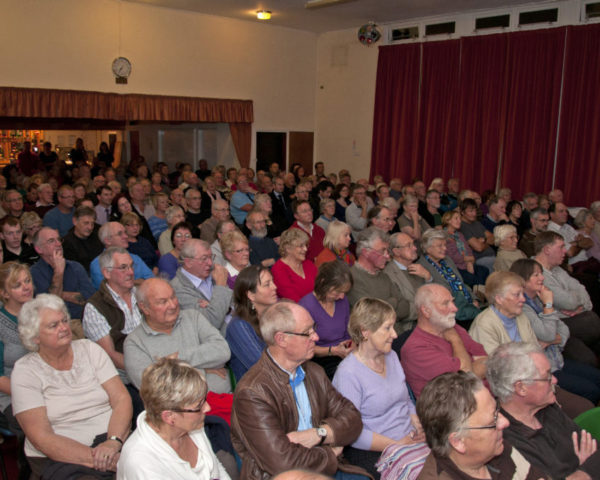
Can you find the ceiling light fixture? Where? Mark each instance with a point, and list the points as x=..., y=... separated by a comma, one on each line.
x=263, y=14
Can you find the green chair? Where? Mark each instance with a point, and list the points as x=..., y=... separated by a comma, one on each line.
x=590, y=421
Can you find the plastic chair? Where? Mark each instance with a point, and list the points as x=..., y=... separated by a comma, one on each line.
x=590, y=421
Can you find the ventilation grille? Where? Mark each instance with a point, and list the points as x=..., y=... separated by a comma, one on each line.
x=592, y=10
x=404, y=33
x=498, y=21
x=440, y=28
x=538, y=16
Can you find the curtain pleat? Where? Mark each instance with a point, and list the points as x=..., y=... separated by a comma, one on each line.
x=241, y=135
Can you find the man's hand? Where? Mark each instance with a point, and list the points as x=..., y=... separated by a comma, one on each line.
x=220, y=275
x=572, y=313
x=419, y=270
x=221, y=372
x=267, y=262
x=202, y=303
x=306, y=438
x=451, y=335
x=73, y=297
x=58, y=262
x=584, y=447
x=337, y=450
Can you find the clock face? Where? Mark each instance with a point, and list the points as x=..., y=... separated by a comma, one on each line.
x=121, y=67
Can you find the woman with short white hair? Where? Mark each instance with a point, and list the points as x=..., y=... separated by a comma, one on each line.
x=506, y=239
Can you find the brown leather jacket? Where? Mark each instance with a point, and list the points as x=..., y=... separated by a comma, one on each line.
x=264, y=411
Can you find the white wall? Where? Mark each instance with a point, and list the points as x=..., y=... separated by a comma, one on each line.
x=70, y=44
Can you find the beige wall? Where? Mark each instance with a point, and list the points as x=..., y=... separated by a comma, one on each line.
x=70, y=44
x=345, y=94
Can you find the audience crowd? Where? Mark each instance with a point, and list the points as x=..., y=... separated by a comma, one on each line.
x=225, y=324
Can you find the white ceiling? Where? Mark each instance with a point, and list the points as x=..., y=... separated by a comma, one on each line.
x=350, y=14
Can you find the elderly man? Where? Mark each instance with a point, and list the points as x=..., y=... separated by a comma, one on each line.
x=222, y=228
x=112, y=234
x=404, y=272
x=53, y=274
x=45, y=201
x=357, y=211
x=12, y=203
x=219, y=213
x=201, y=284
x=520, y=376
x=575, y=242
x=571, y=300
x=242, y=201
x=82, y=244
x=165, y=330
x=382, y=218
x=464, y=432
x=61, y=216
x=369, y=278
x=396, y=188
x=111, y=313
x=431, y=212
x=303, y=214
x=263, y=249
x=530, y=203
x=539, y=219
x=138, y=197
x=438, y=344
x=286, y=414
x=497, y=214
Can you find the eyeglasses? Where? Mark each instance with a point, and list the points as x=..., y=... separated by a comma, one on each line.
x=308, y=334
x=487, y=427
x=183, y=235
x=241, y=250
x=189, y=410
x=122, y=268
x=548, y=379
x=206, y=258
x=383, y=252
x=406, y=245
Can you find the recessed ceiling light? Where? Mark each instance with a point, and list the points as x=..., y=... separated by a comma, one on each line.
x=263, y=14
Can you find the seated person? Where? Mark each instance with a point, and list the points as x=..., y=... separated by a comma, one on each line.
x=303, y=214
x=293, y=273
x=67, y=395
x=438, y=345
x=263, y=249
x=165, y=330
x=113, y=234
x=286, y=414
x=82, y=244
x=478, y=238
x=234, y=246
x=364, y=374
x=410, y=222
x=444, y=272
x=336, y=242
x=520, y=377
x=138, y=245
x=506, y=239
x=201, y=284
x=330, y=309
x=464, y=432
x=539, y=223
x=174, y=215
x=253, y=293
x=496, y=214
x=13, y=243
x=169, y=262
x=53, y=274
x=170, y=441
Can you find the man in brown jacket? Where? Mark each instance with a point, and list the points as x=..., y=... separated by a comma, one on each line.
x=286, y=414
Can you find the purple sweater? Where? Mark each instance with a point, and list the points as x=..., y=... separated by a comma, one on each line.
x=388, y=414
x=331, y=330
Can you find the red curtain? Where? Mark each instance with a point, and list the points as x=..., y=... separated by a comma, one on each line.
x=241, y=136
x=438, y=109
x=395, y=123
x=479, y=118
x=578, y=169
x=535, y=63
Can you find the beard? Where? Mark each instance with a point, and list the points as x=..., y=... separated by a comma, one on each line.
x=259, y=233
x=445, y=321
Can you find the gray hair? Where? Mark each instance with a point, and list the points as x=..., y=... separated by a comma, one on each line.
x=501, y=233
x=445, y=405
x=367, y=238
x=171, y=212
x=43, y=186
x=190, y=248
x=508, y=364
x=106, y=258
x=390, y=203
x=536, y=212
x=36, y=237
x=277, y=318
x=581, y=217
x=105, y=231
x=323, y=204
x=430, y=235
x=595, y=206
x=30, y=317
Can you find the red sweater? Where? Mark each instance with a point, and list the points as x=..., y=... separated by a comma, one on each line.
x=315, y=243
x=290, y=284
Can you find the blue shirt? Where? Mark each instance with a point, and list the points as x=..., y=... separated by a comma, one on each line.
x=238, y=200
x=510, y=324
x=140, y=270
x=63, y=222
x=75, y=279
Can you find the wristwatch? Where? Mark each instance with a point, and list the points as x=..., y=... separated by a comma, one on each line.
x=548, y=305
x=114, y=437
x=322, y=432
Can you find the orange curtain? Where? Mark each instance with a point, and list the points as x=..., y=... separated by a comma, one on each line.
x=45, y=103
x=241, y=135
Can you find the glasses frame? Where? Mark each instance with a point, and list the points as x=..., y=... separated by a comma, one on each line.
x=492, y=426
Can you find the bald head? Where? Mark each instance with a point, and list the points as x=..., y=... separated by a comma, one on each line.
x=435, y=308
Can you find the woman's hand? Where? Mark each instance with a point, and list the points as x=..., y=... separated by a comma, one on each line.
x=418, y=433
x=470, y=267
x=342, y=349
x=106, y=455
x=546, y=295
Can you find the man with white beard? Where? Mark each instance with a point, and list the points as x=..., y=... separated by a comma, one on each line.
x=263, y=249
x=438, y=345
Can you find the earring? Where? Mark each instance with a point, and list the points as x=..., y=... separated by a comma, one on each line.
x=252, y=307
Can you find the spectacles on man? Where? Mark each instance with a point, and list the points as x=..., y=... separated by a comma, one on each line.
x=548, y=379
x=308, y=334
x=122, y=268
x=206, y=258
x=490, y=426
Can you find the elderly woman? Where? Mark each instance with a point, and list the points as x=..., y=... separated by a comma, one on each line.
x=410, y=222
x=170, y=441
x=519, y=376
x=66, y=395
x=444, y=272
x=506, y=239
x=552, y=334
x=363, y=375
x=234, y=246
x=174, y=215
x=585, y=223
x=293, y=274
x=169, y=262
x=336, y=242
x=253, y=293
x=327, y=209
x=458, y=249
x=138, y=245
x=158, y=221
x=330, y=309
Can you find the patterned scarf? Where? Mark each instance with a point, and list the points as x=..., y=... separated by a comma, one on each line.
x=450, y=276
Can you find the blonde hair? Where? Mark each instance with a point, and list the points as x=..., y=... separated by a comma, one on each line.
x=290, y=236
x=9, y=272
x=368, y=314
